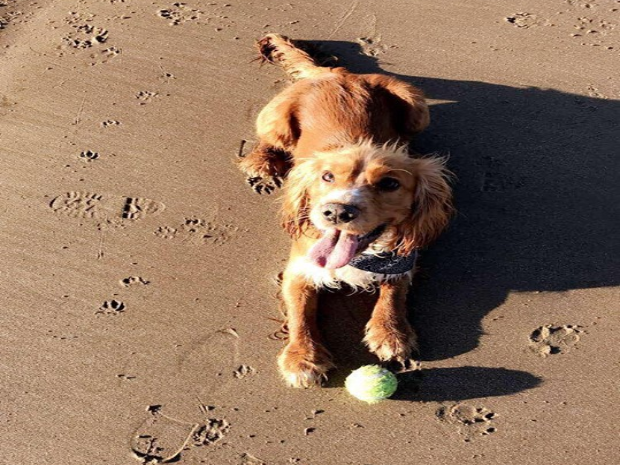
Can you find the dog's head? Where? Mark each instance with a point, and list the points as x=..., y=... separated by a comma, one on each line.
x=356, y=194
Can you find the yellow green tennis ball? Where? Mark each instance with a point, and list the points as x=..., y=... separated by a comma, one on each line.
x=371, y=383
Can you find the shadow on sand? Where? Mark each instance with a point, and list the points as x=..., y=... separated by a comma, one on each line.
x=538, y=196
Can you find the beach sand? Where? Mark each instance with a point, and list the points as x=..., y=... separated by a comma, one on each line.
x=139, y=313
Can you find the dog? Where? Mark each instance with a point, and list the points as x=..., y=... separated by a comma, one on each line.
x=356, y=204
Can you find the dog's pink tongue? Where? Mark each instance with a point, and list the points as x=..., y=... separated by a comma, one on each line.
x=343, y=252
x=334, y=250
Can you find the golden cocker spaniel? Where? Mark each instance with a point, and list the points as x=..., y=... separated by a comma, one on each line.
x=356, y=204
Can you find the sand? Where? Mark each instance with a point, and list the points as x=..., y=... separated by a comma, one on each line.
x=137, y=292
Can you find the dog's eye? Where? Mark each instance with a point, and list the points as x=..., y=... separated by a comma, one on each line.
x=328, y=177
x=388, y=184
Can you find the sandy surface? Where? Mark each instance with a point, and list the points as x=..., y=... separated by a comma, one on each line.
x=137, y=296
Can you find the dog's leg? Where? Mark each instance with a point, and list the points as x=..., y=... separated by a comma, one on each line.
x=278, y=131
x=265, y=167
x=388, y=333
x=278, y=49
x=304, y=362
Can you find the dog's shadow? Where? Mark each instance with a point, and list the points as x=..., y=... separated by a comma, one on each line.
x=537, y=195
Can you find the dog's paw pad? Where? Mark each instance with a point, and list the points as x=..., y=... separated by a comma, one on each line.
x=264, y=185
x=403, y=365
x=267, y=47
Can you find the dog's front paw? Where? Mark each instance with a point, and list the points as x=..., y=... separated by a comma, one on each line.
x=392, y=343
x=303, y=366
x=264, y=184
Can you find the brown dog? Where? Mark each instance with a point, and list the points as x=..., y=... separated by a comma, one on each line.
x=356, y=204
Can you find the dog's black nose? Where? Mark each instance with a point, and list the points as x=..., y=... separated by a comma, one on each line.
x=340, y=213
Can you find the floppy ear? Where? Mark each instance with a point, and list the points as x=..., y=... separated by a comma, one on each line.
x=296, y=206
x=432, y=205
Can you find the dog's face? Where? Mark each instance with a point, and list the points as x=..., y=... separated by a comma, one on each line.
x=353, y=195
x=357, y=192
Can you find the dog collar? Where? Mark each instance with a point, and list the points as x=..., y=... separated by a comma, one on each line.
x=385, y=263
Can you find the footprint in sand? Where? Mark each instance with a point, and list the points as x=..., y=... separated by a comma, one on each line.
x=198, y=231
x=471, y=421
x=582, y=3
x=145, y=96
x=593, y=91
x=179, y=13
x=109, y=53
x=161, y=438
x=201, y=370
x=167, y=77
x=210, y=432
x=166, y=232
x=592, y=32
x=211, y=366
x=89, y=155
x=12, y=15
x=111, y=307
x=110, y=123
x=103, y=208
x=243, y=371
x=131, y=281
x=136, y=208
x=522, y=20
x=372, y=46
x=86, y=36
x=550, y=340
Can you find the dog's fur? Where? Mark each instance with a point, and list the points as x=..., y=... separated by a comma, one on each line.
x=338, y=138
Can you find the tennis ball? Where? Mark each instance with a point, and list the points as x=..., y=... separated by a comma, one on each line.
x=371, y=383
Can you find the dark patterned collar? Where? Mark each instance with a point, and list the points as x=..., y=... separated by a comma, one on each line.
x=385, y=262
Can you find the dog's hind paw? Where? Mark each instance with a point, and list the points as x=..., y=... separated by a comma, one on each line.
x=269, y=47
x=264, y=184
